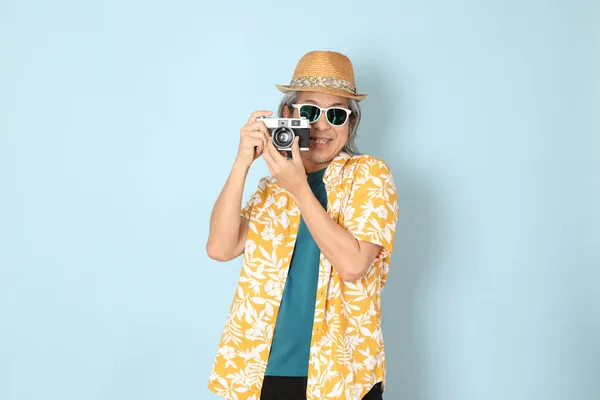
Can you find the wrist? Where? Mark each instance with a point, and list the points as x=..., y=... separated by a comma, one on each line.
x=241, y=166
x=301, y=192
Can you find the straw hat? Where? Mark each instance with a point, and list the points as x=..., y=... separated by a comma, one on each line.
x=324, y=71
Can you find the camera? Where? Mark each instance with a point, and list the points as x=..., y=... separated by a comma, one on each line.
x=284, y=130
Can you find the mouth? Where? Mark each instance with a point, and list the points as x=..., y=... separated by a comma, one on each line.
x=318, y=140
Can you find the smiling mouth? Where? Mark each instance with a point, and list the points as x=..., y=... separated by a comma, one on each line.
x=320, y=140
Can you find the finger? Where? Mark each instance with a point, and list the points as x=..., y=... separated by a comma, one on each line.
x=277, y=157
x=296, y=151
x=260, y=113
x=256, y=143
x=259, y=135
x=260, y=149
x=256, y=135
x=253, y=140
x=256, y=126
x=261, y=139
x=269, y=160
x=264, y=139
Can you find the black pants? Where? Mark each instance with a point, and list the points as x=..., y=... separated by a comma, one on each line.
x=294, y=388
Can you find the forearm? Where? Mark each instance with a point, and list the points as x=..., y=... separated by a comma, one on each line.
x=337, y=244
x=225, y=219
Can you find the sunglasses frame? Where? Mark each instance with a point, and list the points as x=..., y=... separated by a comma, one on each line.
x=323, y=111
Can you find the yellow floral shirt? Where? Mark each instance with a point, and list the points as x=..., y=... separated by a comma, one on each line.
x=347, y=353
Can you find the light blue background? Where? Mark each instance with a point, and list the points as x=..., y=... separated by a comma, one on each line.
x=119, y=122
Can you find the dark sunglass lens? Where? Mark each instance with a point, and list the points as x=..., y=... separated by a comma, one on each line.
x=337, y=116
x=311, y=113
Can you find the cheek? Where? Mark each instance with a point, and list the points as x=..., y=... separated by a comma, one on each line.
x=342, y=134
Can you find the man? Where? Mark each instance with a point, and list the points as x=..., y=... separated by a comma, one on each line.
x=316, y=239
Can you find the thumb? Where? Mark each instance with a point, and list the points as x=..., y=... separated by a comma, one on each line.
x=296, y=151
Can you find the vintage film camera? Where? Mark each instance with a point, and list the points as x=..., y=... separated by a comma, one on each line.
x=284, y=130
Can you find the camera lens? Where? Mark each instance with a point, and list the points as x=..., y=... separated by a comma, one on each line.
x=283, y=137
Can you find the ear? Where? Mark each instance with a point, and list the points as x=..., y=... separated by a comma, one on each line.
x=287, y=111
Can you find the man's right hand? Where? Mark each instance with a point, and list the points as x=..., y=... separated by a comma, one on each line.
x=253, y=139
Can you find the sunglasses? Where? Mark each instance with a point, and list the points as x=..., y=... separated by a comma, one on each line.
x=336, y=116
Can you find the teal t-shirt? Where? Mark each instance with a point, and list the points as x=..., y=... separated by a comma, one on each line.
x=293, y=330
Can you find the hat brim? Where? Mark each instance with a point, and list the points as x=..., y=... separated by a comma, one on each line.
x=322, y=89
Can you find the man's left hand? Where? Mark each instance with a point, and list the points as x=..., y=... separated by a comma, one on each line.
x=290, y=173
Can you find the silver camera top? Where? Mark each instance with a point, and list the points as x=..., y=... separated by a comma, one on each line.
x=276, y=122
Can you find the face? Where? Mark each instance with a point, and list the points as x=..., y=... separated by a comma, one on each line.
x=326, y=140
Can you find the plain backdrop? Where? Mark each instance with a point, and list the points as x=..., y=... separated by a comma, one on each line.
x=119, y=122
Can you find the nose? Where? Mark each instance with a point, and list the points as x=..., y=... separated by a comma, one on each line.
x=321, y=124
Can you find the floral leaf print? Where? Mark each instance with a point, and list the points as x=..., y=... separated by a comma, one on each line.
x=346, y=353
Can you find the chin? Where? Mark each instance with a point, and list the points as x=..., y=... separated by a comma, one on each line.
x=322, y=158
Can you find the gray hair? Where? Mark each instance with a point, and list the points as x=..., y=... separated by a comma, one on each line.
x=291, y=98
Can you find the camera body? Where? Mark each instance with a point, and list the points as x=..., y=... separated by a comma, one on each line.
x=284, y=130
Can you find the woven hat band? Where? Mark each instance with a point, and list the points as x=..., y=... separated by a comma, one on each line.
x=322, y=81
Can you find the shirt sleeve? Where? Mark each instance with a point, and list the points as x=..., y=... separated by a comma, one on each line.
x=254, y=199
x=372, y=210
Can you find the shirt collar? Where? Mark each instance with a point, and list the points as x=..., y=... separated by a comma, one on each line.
x=333, y=174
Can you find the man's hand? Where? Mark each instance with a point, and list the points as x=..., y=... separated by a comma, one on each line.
x=252, y=139
x=290, y=173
